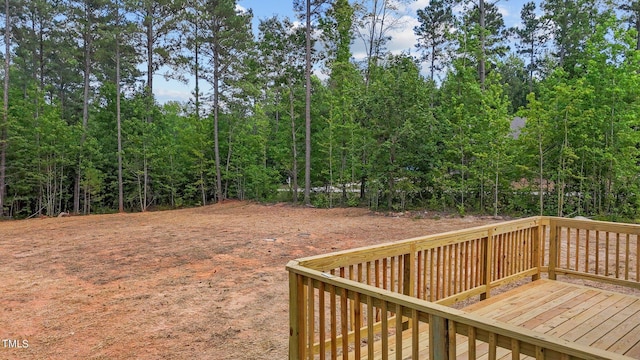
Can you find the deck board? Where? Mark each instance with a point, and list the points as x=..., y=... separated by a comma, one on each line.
x=535, y=308
x=546, y=316
x=614, y=328
x=634, y=352
x=559, y=319
x=593, y=317
x=589, y=317
x=627, y=341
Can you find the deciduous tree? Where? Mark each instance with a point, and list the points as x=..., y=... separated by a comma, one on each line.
x=282, y=54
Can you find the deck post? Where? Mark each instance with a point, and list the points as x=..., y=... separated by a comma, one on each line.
x=296, y=347
x=488, y=265
x=553, y=248
x=409, y=269
x=408, y=277
x=438, y=338
x=537, y=238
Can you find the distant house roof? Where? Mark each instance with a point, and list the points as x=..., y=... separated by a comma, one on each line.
x=516, y=126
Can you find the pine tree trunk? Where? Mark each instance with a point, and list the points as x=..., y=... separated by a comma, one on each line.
x=60, y=189
x=85, y=104
x=294, y=145
x=541, y=175
x=481, y=69
x=383, y=18
x=216, y=143
x=118, y=119
x=482, y=190
x=5, y=112
x=149, y=96
x=41, y=55
x=149, y=34
x=638, y=28
x=140, y=190
x=392, y=174
x=433, y=64
x=531, y=64
x=495, y=194
x=38, y=78
x=343, y=170
x=202, y=186
x=307, y=155
x=145, y=200
x=372, y=34
x=330, y=192
x=76, y=190
x=225, y=190
x=363, y=178
x=196, y=51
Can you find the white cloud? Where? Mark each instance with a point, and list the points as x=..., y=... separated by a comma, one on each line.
x=418, y=4
x=402, y=36
x=170, y=90
x=504, y=11
x=358, y=48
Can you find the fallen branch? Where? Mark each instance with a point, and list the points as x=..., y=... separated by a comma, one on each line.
x=36, y=213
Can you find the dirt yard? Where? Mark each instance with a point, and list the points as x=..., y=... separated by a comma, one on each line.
x=204, y=283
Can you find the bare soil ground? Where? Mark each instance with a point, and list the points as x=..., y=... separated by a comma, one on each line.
x=204, y=283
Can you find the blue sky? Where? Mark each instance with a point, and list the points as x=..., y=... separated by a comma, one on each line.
x=403, y=38
x=264, y=8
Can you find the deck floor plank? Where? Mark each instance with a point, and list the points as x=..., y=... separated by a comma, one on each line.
x=522, y=295
x=628, y=341
x=588, y=316
x=551, y=324
x=634, y=352
x=591, y=318
x=550, y=314
x=536, y=308
x=511, y=310
x=617, y=338
x=606, y=332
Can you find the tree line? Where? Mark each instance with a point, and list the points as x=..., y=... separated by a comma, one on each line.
x=541, y=118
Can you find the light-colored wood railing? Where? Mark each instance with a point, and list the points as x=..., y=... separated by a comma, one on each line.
x=386, y=301
x=595, y=250
x=443, y=268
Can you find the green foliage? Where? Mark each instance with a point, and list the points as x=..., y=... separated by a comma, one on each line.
x=42, y=150
x=321, y=200
x=531, y=38
x=382, y=134
x=435, y=20
x=398, y=101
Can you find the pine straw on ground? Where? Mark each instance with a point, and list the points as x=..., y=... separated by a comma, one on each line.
x=206, y=283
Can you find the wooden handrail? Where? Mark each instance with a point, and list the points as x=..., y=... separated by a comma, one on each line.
x=371, y=286
x=483, y=329
x=595, y=250
x=344, y=258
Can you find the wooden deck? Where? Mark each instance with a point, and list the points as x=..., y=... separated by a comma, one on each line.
x=592, y=317
x=356, y=302
x=587, y=316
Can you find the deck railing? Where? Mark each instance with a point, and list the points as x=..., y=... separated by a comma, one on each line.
x=380, y=301
x=595, y=250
